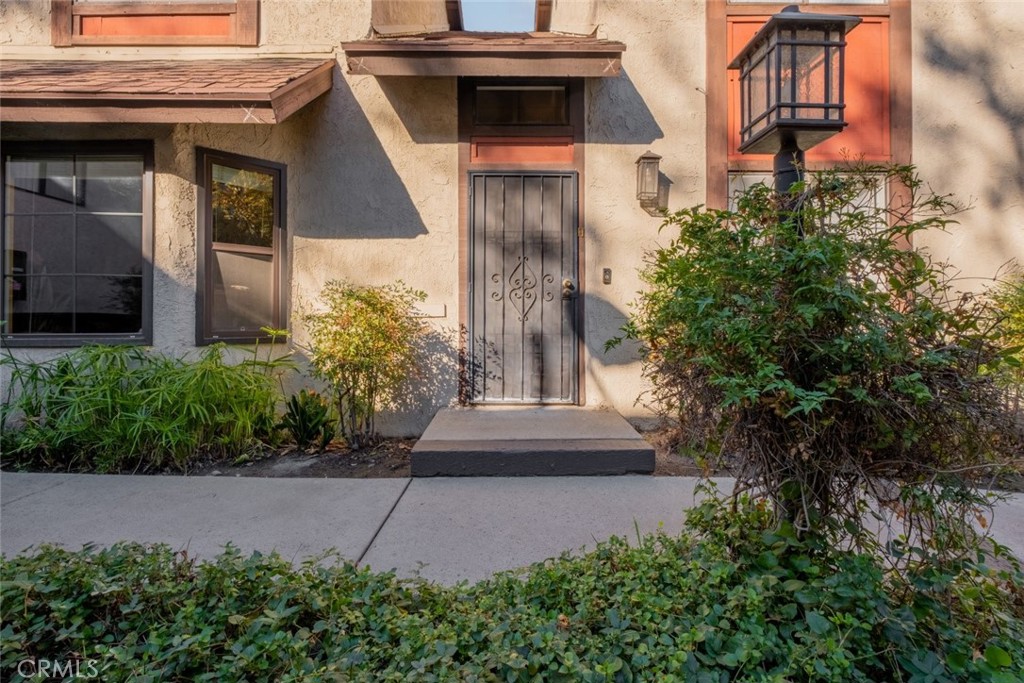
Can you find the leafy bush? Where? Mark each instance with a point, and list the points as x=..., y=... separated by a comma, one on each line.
x=823, y=354
x=364, y=346
x=1008, y=299
x=108, y=408
x=733, y=598
x=308, y=420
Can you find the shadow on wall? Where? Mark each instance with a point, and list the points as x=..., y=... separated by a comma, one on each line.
x=624, y=116
x=346, y=185
x=977, y=64
x=434, y=386
x=427, y=107
x=605, y=321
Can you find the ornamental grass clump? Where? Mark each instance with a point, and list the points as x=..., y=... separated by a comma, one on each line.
x=826, y=360
x=364, y=344
x=111, y=408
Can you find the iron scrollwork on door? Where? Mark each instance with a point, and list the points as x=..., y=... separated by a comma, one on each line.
x=522, y=282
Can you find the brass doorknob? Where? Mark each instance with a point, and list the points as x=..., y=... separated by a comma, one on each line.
x=568, y=289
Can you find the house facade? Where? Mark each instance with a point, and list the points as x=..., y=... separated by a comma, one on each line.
x=181, y=173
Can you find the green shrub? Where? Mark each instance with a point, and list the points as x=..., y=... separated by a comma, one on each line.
x=308, y=421
x=733, y=598
x=108, y=408
x=363, y=344
x=1008, y=298
x=823, y=355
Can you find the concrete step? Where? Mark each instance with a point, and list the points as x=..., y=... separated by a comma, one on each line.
x=529, y=441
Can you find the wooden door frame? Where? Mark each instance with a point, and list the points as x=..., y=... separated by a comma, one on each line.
x=575, y=130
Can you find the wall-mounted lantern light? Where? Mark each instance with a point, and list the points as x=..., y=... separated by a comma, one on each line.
x=648, y=182
x=791, y=87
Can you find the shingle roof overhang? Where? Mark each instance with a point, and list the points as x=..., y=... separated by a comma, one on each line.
x=264, y=90
x=459, y=53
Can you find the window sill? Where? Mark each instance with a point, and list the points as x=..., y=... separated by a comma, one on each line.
x=11, y=341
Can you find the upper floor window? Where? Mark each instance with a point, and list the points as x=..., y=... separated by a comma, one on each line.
x=155, y=22
x=77, y=243
x=814, y=2
x=499, y=15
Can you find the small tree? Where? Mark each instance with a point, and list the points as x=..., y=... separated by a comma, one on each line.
x=821, y=355
x=364, y=345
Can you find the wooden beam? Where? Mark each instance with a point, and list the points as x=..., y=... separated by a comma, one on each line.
x=61, y=23
x=769, y=8
x=543, y=15
x=717, y=98
x=155, y=40
x=247, y=23
x=42, y=111
x=452, y=44
x=454, y=11
x=96, y=9
x=486, y=64
x=289, y=98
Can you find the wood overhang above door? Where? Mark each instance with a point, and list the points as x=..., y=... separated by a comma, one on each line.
x=496, y=55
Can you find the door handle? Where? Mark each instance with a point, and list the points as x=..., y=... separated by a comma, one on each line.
x=568, y=289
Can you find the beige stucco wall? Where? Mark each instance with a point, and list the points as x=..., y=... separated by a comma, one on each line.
x=968, y=80
x=373, y=166
x=657, y=104
x=371, y=179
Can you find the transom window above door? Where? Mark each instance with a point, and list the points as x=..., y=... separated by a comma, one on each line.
x=522, y=105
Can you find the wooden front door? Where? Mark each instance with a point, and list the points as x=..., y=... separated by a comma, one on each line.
x=523, y=287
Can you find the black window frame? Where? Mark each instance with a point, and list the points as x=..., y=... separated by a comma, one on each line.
x=113, y=148
x=206, y=333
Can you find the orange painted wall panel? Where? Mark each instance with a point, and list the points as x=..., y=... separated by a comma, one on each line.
x=158, y=25
x=867, y=94
x=521, y=150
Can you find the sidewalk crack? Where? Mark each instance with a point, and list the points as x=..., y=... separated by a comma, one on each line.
x=35, y=493
x=376, y=533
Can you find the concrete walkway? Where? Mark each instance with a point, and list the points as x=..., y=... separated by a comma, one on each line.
x=442, y=529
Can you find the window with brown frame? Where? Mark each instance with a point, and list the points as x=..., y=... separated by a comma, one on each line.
x=77, y=243
x=878, y=92
x=241, y=273
x=155, y=22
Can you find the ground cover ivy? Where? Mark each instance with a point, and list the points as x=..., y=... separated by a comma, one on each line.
x=735, y=597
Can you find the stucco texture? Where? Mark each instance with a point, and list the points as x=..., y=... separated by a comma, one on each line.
x=657, y=104
x=372, y=167
x=371, y=182
x=969, y=129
